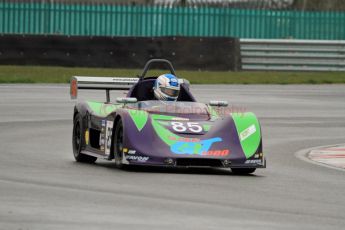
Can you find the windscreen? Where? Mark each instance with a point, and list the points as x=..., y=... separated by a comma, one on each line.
x=171, y=107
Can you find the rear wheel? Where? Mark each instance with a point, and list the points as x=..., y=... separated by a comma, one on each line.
x=243, y=171
x=78, y=141
x=118, y=144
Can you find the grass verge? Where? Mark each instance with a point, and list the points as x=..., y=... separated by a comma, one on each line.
x=39, y=74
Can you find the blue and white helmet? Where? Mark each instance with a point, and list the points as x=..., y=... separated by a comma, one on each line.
x=166, y=88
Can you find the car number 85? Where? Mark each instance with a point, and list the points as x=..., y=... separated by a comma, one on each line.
x=191, y=126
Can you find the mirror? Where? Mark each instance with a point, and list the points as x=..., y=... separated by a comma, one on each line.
x=184, y=81
x=219, y=103
x=126, y=100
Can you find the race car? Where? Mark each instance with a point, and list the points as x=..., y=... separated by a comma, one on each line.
x=139, y=130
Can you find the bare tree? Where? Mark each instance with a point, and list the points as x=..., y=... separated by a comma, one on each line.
x=319, y=4
x=183, y=2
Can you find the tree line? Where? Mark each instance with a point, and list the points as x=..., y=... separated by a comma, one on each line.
x=321, y=5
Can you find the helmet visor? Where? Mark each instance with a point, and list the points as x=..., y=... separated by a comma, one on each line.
x=170, y=92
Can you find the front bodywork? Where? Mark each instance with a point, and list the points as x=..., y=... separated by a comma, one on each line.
x=170, y=138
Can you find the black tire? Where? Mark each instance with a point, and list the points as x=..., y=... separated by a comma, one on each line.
x=118, y=144
x=78, y=140
x=243, y=171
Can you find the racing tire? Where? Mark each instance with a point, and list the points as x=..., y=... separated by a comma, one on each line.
x=118, y=145
x=78, y=140
x=243, y=171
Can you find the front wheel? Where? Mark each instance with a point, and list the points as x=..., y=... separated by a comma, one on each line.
x=243, y=171
x=78, y=141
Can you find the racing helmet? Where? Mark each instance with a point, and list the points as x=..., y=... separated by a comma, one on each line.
x=166, y=88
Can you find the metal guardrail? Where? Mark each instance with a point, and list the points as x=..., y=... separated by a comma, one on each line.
x=292, y=55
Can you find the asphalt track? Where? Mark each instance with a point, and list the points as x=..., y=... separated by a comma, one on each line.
x=41, y=187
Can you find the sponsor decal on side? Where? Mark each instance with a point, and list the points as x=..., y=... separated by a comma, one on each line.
x=102, y=136
x=179, y=119
x=197, y=148
x=128, y=151
x=247, y=132
x=137, y=158
x=184, y=139
x=220, y=153
x=108, y=135
x=253, y=162
x=131, y=151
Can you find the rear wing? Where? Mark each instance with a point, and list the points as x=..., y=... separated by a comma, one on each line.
x=100, y=83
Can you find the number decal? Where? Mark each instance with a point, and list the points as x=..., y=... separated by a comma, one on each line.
x=178, y=126
x=191, y=126
x=194, y=127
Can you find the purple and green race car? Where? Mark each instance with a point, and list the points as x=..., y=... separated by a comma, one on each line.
x=139, y=130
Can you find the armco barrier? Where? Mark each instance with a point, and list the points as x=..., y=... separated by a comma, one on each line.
x=292, y=55
x=120, y=52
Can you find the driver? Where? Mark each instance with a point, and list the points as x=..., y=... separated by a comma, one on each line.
x=166, y=88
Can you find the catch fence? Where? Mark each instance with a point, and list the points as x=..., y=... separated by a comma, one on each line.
x=91, y=19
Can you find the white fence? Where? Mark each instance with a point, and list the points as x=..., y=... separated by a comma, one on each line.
x=292, y=55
